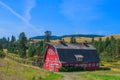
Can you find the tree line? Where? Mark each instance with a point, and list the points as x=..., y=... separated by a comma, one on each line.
x=109, y=49
x=24, y=47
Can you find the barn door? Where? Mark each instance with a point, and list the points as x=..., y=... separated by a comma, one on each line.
x=51, y=67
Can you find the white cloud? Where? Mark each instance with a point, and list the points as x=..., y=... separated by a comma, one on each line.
x=30, y=5
x=27, y=16
x=13, y=12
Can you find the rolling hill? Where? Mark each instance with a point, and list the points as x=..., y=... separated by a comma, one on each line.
x=78, y=37
x=64, y=36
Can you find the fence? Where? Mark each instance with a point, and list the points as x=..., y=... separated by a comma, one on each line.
x=37, y=62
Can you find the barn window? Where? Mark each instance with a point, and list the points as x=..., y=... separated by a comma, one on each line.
x=56, y=65
x=85, y=65
x=71, y=64
x=66, y=65
x=97, y=64
x=89, y=65
x=93, y=65
x=79, y=57
x=46, y=64
x=51, y=65
x=81, y=65
x=76, y=65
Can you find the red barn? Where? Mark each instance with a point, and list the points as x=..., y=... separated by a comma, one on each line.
x=62, y=54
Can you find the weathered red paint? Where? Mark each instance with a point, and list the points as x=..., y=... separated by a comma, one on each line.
x=86, y=65
x=52, y=62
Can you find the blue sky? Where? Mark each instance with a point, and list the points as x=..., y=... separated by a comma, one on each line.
x=62, y=17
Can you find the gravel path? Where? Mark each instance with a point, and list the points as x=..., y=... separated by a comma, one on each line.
x=70, y=76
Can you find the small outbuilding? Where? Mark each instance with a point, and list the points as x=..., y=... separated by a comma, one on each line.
x=62, y=54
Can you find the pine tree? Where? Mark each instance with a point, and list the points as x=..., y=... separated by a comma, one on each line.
x=47, y=36
x=12, y=45
x=22, y=45
x=31, y=51
x=72, y=40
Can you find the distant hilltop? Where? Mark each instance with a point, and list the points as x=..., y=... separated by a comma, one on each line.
x=64, y=36
x=78, y=37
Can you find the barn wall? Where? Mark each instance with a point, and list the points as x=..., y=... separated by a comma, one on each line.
x=51, y=61
x=86, y=65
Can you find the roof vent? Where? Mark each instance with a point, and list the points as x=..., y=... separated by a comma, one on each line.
x=63, y=43
x=85, y=44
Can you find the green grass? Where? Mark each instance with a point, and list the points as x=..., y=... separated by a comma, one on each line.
x=53, y=76
x=113, y=74
x=100, y=75
x=11, y=70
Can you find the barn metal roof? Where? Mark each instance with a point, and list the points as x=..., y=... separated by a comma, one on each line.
x=67, y=52
x=68, y=55
x=72, y=46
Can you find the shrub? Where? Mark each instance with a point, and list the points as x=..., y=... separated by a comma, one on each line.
x=2, y=54
x=70, y=69
x=104, y=68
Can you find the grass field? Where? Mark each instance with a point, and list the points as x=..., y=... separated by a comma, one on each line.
x=113, y=74
x=100, y=75
x=11, y=70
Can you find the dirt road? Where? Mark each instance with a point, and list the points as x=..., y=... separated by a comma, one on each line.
x=70, y=76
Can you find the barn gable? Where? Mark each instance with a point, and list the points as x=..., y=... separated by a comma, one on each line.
x=51, y=59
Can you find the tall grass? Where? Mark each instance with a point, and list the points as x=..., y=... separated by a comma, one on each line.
x=11, y=70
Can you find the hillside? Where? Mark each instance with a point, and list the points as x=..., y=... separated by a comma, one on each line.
x=64, y=36
x=88, y=39
x=79, y=38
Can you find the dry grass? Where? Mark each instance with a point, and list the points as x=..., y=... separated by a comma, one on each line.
x=83, y=39
x=11, y=70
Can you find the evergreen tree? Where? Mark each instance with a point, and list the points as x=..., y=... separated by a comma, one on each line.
x=39, y=48
x=1, y=48
x=92, y=40
x=12, y=45
x=4, y=42
x=72, y=40
x=13, y=39
x=109, y=49
x=22, y=45
x=47, y=39
x=47, y=36
x=31, y=51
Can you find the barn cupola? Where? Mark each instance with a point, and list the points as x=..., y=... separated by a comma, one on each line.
x=79, y=57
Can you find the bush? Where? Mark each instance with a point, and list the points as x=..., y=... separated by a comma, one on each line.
x=104, y=68
x=70, y=69
x=2, y=54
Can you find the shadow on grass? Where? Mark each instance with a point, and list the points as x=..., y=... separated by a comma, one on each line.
x=103, y=68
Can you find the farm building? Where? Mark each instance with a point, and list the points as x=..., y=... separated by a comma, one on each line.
x=63, y=54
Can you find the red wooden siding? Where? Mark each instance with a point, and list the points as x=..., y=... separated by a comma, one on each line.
x=86, y=65
x=51, y=61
